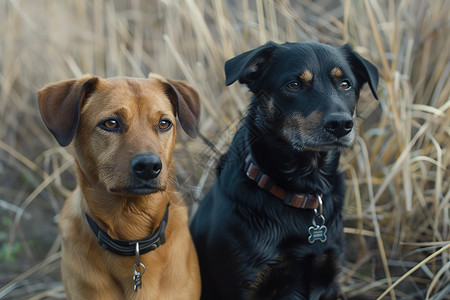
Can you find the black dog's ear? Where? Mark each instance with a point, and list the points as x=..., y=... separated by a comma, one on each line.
x=363, y=69
x=249, y=66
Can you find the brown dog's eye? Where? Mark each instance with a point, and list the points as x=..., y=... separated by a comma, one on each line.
x=293, y=85
x=345, y=85
x=111, y=124
x=164, y=125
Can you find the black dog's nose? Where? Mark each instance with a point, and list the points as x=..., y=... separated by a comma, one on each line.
x=146, y=165
x=338, y=125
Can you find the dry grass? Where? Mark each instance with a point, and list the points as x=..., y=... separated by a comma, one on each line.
x=397, y=210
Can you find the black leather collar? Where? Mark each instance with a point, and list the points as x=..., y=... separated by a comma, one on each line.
x=128, y=248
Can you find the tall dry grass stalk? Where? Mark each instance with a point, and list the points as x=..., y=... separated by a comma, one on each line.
x=397, y=209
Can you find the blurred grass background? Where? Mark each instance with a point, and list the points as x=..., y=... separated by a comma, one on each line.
x=397, y=206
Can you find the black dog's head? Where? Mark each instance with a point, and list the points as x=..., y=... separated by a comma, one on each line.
x=305, y=93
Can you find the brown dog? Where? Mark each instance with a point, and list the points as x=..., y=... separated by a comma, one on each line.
x=123, y=131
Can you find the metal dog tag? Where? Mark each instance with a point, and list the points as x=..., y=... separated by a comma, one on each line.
x=318, y=230
x=137, y=276
x=317, y=233
x=137, y=281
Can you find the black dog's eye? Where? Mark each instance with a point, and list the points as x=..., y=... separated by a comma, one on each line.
x=164, y=125
x=110, y=125
x=293, y=85
x=345, y=85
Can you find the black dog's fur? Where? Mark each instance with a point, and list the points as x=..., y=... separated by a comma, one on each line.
x=250, y=244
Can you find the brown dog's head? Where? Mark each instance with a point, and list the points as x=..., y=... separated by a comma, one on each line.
x=123, y=128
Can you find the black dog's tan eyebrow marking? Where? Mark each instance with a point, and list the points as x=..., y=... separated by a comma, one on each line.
x=306, y=77
x=336, y=73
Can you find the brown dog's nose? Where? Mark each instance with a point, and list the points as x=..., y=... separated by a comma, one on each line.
x=146, y=165
x=338, y=125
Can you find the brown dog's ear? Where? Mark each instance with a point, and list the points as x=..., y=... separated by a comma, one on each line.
x=60, y=105
x=187, y=104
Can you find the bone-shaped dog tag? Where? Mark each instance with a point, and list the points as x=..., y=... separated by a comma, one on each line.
x=317, y=233
x=318, y=230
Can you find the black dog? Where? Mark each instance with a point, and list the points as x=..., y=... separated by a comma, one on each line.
x=271, y=226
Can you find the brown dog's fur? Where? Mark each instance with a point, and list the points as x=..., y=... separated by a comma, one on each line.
x=74, y=110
